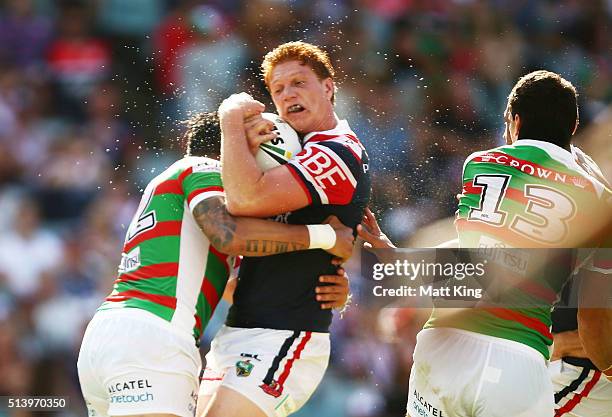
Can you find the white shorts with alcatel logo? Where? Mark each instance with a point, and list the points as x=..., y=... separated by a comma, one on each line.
x=457, y=373
x=131, y=362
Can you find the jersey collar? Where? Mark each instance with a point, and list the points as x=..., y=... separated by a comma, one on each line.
x=563, y=156
x=556, y=152
x=342, y=128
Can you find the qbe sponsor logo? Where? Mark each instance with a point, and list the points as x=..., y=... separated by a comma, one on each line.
x=323, y=167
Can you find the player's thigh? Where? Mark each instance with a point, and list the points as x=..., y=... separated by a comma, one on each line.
x=229, y=403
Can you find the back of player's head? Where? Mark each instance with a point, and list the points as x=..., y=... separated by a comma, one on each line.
x=306, y=53
x=547, y=105
x=203, y=135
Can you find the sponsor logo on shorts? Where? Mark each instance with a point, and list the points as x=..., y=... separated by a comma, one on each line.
x=272, y=389
x=250, y=356
x=423, y=408
x=132, y=391
x=129, y=398
x=129, y=385
x=244, y=368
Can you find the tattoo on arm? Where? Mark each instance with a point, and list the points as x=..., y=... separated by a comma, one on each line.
x=221, y=229
x=272, y=247
x=218, y=225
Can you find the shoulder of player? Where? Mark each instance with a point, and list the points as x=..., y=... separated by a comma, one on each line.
x=589, y=165
x=492, y=152
x=341, y=144
x=477, y=154
x=198, y=164
x=186, y=166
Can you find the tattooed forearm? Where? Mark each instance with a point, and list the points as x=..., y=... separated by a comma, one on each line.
x=246, y=236
x=216, y=222
x=272, y=247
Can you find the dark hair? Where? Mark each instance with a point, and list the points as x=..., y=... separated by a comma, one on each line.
x=203, y=135
x=548, y=106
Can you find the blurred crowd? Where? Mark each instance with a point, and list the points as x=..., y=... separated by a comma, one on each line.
x=92, y=93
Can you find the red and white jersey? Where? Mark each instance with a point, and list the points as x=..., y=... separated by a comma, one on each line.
x=329, y=165
x=332, y=169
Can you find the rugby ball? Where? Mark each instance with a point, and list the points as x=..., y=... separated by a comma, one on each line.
x=281, y=149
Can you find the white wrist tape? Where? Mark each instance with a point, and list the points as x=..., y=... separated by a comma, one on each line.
x=322, y=236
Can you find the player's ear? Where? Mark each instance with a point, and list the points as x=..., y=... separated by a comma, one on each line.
x=328, y=85
x=575, y=127
x=517, y=126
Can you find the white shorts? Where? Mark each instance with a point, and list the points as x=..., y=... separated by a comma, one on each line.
x=457, y=373
x=278, y=370
x=580, y=392
x=133, y=362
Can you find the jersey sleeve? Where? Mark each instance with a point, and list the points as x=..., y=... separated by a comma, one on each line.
x=328, y=170
x=200, y=182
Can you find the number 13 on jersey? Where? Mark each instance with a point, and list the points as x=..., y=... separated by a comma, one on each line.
x=543, y=216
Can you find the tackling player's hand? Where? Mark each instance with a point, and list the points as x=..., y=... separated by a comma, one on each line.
x=241, y=103
x=343, y=248
x=335, y=293
x=370, y=232
x=258, y=130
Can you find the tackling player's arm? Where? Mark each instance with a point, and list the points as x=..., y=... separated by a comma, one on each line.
x=254, y=237
x=595, y=324
x=249, y=190
x=595, y=329
x=567, y=344
x=595, y=311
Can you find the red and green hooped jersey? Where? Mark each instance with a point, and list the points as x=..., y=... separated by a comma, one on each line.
x=531, y=194
x=168, y=267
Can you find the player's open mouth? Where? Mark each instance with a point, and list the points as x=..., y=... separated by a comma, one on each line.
x=296, y=108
